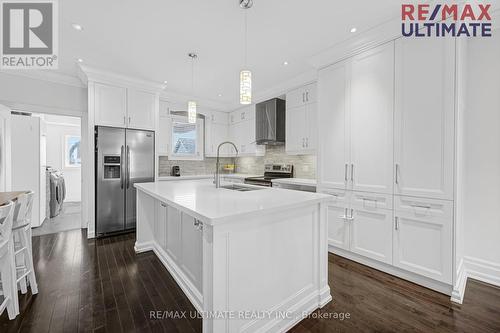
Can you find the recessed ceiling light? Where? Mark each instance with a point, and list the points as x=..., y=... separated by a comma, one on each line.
x=353, y=30
x=165, y=82
x=220, y=95
x=80, y=60
x=285, y=63
x=77, y=27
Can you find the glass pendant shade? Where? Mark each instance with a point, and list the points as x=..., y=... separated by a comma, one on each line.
x=192, y=112
x=245, y=87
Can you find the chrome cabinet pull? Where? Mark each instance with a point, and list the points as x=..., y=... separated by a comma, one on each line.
x=421, y=206
x=198, y=224
x=163, y=205
x=352, y=172
x=345, y=172
x=397, y=174
x=307, y=142
x=396, y=223
x=128, y=166
x=307, y=96
x=124, y=120
x=121, y=166
x=129, y=118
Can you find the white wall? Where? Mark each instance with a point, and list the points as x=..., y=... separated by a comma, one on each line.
x=57, y=128
x=481, y=148
x=25, y=93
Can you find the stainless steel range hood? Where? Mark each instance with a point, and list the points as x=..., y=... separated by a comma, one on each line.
x=270, y=122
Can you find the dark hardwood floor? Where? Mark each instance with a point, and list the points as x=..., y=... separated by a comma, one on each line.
x=103, y=286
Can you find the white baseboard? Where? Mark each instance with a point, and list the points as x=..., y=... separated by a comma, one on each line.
x=478, y=269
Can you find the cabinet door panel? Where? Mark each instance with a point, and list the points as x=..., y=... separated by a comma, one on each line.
x=424, y=117
x=110, y=105
x=174, y=234
x=141, y=109
x=295, y=132
x=160, y=224
x=423, y=245
x=372, y=98
x=333, y=126
x=311, y=126
x=338, y=227
x=295, y=98
x=371, y=233
x=192, y=250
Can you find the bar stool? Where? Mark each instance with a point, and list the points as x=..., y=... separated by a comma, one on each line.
x=7, y=262
x=21, y=232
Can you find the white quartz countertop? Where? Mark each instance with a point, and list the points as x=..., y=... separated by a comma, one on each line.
x=296, y=181
x=200, y=199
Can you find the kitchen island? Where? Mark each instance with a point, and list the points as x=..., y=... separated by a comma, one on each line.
x=249, y=260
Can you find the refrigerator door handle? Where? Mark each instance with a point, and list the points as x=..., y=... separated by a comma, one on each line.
x=121, y=166
x=128, y=166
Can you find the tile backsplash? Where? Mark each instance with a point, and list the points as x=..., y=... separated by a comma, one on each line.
x=304, y=165
x=190, y=168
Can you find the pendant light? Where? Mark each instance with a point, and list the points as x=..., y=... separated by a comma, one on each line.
x=191, y=103
x=246, y=74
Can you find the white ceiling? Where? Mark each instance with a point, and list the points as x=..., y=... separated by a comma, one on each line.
x=150, y=39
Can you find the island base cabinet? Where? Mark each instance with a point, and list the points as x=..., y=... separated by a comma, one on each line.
x=274, y=264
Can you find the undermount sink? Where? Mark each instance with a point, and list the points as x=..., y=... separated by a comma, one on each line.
x=240, y=188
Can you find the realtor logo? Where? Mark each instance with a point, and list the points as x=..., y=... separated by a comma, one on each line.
x=29, y=38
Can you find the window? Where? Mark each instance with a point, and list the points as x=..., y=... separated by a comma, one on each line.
x=187, y=139
x=72, y=157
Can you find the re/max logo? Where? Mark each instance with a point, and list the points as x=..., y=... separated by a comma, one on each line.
x=426, y=21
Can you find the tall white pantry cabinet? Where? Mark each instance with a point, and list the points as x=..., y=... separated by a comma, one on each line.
x=386, y=123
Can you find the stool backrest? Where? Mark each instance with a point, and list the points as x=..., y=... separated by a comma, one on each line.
x=24, y=207
x=6, y=216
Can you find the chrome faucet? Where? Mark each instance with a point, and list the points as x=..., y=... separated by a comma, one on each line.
x=217, y=166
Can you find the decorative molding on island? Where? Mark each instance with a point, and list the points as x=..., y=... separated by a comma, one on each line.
x=233, y=253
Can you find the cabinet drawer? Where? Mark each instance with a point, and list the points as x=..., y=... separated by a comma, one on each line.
x=423, y=207
x=341, y=197
x=371, y=201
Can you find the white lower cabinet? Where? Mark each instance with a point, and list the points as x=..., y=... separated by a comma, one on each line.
x=180, y=237
x=413, y=234
x=423, y=237
x=371, y=232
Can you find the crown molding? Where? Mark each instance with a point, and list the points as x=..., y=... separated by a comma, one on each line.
x=47, y=75
x=88, y=73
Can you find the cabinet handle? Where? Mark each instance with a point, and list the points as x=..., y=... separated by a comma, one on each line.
x=307, y=142
x=307, y=96
x=345, y=172
x=163, y=205
x=352, y=214
x=124, y=120
x=303, y=98
x=129, y=120
x=345, y=215
x=397, y=174
x=352, y=172
x=421, y=206
x=396, y=223
x=198, y=224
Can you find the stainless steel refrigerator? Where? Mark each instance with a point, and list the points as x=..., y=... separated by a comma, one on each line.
x=123, y=157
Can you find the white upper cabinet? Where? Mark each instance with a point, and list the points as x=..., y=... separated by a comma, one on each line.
x=333, y=123
x=110, y=105
x=124, y=107
x=301, y=123
x=141, y=109
x=242, y=132
x=164, y=129
x=372, y=112
x=356, y=122
x=301, y=96
x=216, y=132
x=424, y=117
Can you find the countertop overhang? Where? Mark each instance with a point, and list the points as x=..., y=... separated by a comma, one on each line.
x=200, y=199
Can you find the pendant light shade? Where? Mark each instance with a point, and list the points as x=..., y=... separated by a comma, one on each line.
x=192, y=112
x=192, y=104
x=245, y=87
